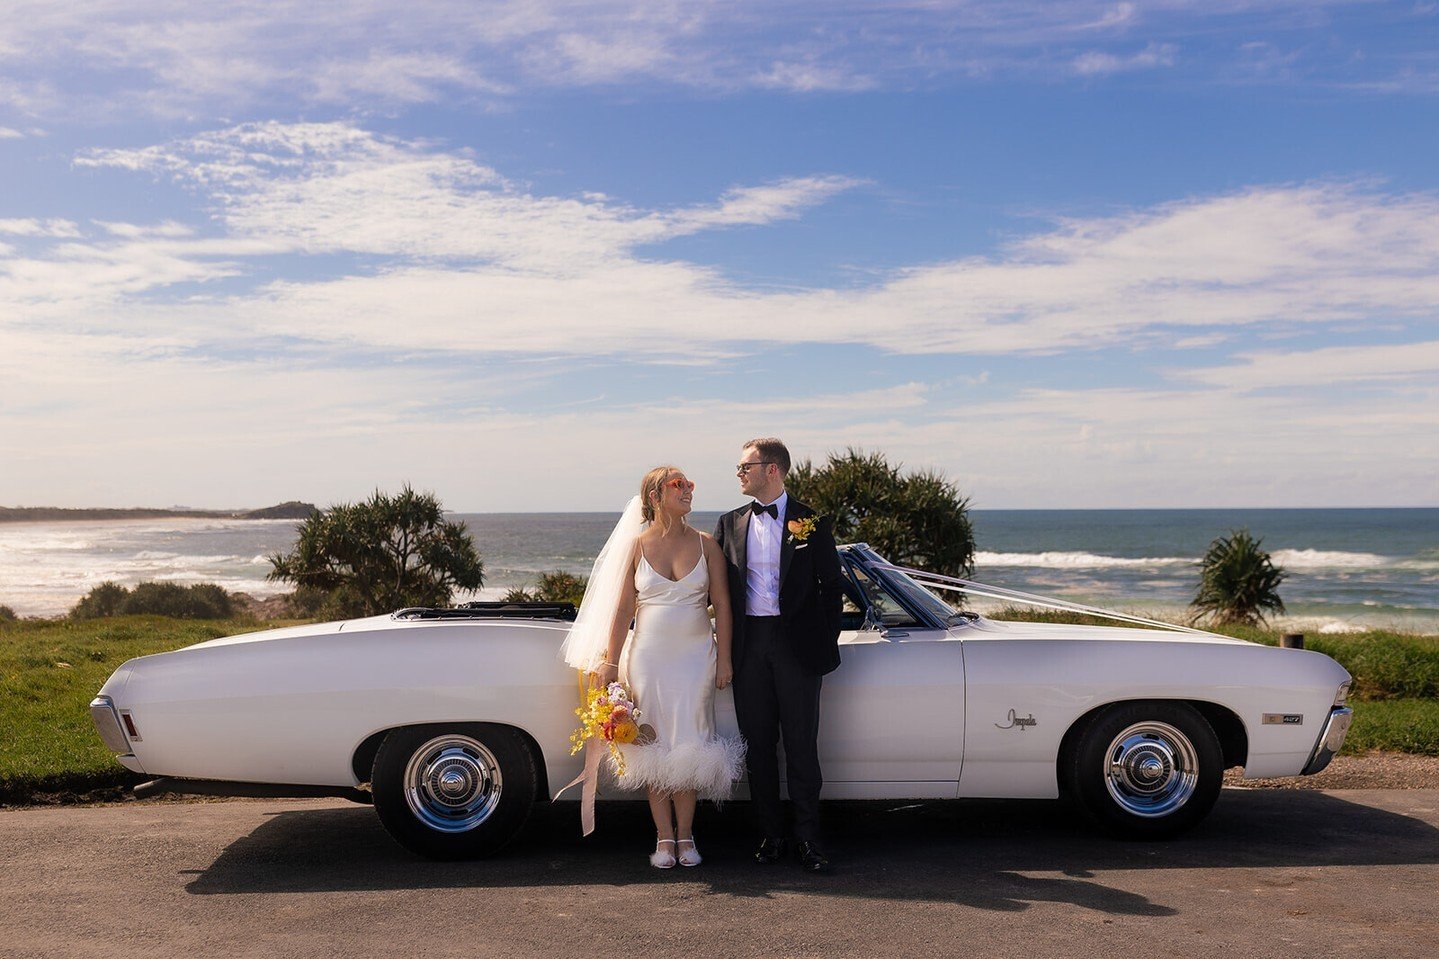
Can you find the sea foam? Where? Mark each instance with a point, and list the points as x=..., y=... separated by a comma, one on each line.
x=1328, y=559
x=1073, y=560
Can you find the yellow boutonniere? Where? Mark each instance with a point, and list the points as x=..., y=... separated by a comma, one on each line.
x=799, y=529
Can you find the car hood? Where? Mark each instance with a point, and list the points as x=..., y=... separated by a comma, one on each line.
x=995, y=629
x=269, y=635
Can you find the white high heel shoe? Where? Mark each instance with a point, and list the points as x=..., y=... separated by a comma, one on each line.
x=662, y=858
x=690, y=856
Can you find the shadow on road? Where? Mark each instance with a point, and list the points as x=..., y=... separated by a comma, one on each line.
x=969, y=852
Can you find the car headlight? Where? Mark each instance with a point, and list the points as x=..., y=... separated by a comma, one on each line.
x=1342, y=696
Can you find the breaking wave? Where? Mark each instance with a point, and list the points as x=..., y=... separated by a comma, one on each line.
x=1328, y=559
x=1068, y=560
x=1292, y=559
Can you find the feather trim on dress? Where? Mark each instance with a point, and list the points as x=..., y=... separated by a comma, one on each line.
x=710, y=767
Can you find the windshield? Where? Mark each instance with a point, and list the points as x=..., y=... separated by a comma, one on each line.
x=888, y=594
x=917, y=596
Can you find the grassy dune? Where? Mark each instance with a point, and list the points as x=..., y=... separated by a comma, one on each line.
x=50, y=670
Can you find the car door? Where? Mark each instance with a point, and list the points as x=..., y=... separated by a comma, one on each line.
x=892, y=714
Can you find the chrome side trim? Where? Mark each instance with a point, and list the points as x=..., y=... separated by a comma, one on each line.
x=216, y=787
x=1331, y=740
x=107, y=722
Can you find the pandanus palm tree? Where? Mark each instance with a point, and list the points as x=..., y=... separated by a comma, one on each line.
x=1238, y=581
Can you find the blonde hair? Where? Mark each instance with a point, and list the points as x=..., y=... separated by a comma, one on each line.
x=653, y=483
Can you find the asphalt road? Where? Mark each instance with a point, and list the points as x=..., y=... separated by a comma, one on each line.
x=1270, y=873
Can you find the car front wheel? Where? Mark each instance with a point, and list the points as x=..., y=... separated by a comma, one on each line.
x=454, y=792
x=1146, y=770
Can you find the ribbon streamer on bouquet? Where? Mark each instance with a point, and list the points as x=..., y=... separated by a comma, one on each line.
x=590, y=779
x=590, y=776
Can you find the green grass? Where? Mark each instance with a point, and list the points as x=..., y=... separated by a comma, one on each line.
x=49, y=672
x=1402, y=725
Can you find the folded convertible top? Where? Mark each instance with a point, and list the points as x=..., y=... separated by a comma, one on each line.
x=490, y=610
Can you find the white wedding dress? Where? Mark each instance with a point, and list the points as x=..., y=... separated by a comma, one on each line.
x=669, y=666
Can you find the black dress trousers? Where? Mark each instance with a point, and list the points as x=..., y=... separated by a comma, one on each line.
x=775, y=695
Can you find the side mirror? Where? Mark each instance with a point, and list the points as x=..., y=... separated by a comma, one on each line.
x=872, y=620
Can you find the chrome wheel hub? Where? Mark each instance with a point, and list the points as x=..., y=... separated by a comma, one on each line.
x=452, y=783
x=1151, y=769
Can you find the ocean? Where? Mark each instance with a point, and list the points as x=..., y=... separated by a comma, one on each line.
x=1347, y=568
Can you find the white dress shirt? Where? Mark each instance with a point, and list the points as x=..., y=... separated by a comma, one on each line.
x=762, y=545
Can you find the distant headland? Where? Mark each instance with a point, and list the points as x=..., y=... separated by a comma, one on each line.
x=17, y=514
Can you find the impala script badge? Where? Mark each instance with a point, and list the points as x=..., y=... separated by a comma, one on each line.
x=1016, y=720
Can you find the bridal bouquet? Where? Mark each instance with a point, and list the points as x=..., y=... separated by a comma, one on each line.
x=608, y=714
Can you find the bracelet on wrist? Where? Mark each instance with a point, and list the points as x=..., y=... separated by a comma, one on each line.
x=615, y=665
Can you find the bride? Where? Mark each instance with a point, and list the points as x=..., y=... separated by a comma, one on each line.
x=661, y=573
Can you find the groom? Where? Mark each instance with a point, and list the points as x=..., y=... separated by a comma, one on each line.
x=785, y=590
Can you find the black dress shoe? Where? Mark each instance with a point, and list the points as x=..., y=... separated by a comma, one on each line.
x=811, y=859
x=770, y=850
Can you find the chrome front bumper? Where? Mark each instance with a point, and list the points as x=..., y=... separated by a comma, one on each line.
x=107, y=722
x=1331, y=739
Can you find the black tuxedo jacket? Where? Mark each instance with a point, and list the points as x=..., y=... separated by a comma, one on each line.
x=811, y=591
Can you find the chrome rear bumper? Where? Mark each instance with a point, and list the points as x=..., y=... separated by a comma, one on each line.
x=1331, y=739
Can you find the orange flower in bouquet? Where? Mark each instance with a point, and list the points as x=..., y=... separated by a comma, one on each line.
x=609, y=715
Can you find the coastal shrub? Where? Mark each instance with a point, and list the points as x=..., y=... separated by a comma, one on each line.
x=343, y=602
x=7, y=615
x=383, y=554
x=198, y=601
x=103, y=600
x=1238, y=582
x=556, y=586
x=919, y=519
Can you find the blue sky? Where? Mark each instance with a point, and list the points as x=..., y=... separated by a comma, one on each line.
x=1072, y=254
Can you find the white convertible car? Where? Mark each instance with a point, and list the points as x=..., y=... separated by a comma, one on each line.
x=453, y=722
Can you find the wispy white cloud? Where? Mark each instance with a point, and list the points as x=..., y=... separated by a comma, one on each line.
x=7, y=133
x=1098, y=63
x=99, y=60
x=322, y=188
x=811, y=77
x=1359, y=363
x=35, y=227
x=169, y=228
x=474, y=262
x=1118, y=15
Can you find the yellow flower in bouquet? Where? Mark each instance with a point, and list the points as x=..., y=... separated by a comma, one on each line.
x=608, y=714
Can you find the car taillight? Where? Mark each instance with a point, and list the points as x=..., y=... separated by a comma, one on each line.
x=1341, y=697
x=129, y=722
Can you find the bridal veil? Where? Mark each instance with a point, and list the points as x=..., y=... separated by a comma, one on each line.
x=585, y=647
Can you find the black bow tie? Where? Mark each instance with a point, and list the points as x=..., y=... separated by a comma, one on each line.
x=772, y=509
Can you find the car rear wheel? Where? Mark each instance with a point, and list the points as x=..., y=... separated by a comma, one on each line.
x=1146, y=770
x=454, y=792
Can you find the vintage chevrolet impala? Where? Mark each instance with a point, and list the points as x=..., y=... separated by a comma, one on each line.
x=453, y=722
